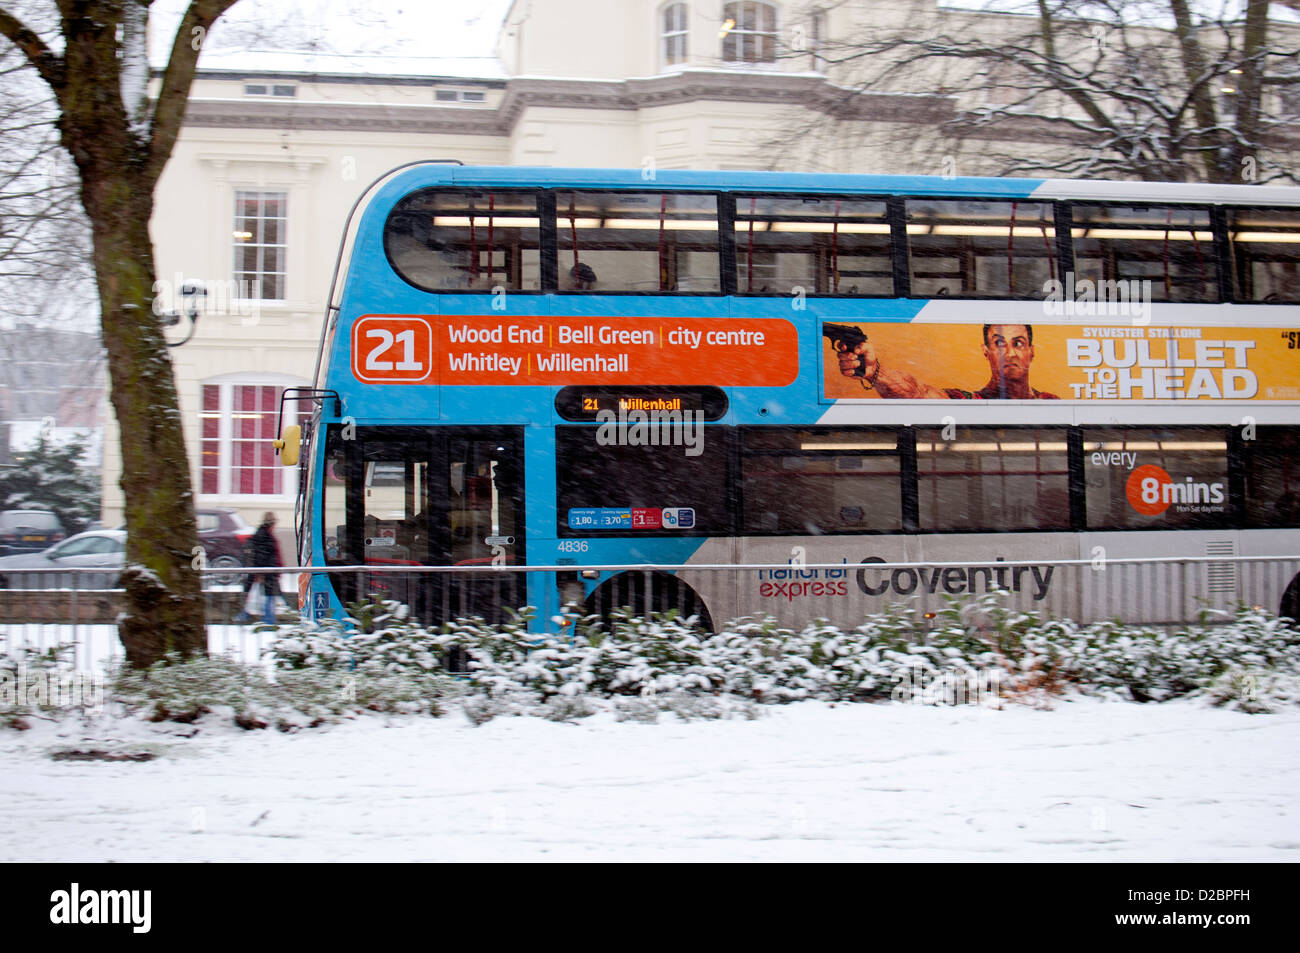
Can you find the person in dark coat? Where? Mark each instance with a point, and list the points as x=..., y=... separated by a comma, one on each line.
x=263, y=550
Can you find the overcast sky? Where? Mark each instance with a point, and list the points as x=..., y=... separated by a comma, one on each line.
x=406, y=28
x=449, y=28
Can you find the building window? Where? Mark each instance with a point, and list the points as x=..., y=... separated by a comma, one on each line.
x=237, y=426
x=265, y=89
x=674, y=34
x=260, y=244
x=749, y=33
x=817, y=39
x=459, y=96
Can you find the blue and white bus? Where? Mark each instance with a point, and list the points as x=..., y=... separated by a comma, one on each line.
x=588, y=367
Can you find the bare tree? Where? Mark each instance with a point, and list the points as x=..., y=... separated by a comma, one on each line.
x=44, y=235
x=1140, y=89
x=94, y=62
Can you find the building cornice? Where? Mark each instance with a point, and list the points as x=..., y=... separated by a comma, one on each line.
x=808, y=91
x=343, y=117
x=524, y=93
x=343, y=79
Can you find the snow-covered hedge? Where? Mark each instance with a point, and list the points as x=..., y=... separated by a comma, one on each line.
x=981, y=651
x=297, y=697
x=975, y=651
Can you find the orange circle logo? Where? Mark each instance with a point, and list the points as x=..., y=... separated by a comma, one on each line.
x=1146, y=490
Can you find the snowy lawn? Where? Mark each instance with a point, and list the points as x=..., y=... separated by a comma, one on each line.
x=1089, y=781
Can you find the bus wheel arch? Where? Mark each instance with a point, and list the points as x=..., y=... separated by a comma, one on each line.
x=667, y=592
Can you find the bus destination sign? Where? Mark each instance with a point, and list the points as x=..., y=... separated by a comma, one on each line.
x=586, y=403
x=476, y=350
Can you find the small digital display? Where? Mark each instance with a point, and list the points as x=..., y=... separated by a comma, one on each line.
x=585, y=403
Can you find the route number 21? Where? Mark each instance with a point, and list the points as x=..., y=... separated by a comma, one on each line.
x=392, y=350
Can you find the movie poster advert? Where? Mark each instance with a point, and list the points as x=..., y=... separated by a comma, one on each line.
x=863, y=360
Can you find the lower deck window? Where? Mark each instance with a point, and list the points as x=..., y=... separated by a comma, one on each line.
x=1148, y=478
x=813, y=482
x=1272, y=465
x=992, y=478
x=598, y=480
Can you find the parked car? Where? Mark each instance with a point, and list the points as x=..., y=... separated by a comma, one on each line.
x=28, y=531
x=101, y=548
x=223, y=534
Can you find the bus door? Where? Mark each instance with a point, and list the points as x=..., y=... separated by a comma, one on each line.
x=396, y=515
x=428, y=496
x=480, y=510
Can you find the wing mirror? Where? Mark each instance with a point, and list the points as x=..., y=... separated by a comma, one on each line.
x=289, y=445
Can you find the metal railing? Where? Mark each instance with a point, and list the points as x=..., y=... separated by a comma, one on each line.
x=76, y=609
x=38, y=614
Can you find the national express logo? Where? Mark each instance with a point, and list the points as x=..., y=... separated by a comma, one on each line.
x=1151, y=491
x=798, y=582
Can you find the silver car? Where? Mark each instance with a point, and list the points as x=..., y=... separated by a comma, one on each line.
x=100, y=548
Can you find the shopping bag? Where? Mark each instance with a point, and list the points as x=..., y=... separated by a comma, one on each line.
x=253, y=604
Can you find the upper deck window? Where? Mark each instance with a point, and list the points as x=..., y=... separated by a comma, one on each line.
x=464, y=240
x=1265, y=254
x=980, y=249
x=637, y=241
x=822, y=244
x=1172, y=248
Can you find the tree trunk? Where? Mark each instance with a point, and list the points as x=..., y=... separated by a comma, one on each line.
x=120, y=146
x=164, y=598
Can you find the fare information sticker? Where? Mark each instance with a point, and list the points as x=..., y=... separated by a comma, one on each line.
x=634, y=517
x=479, y=350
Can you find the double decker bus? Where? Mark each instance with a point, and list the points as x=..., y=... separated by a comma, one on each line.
x=579, y=368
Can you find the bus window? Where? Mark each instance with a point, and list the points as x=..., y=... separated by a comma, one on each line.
x=993, y=479
x=824, y=245
x=334, y=505
x=592, y=476
x=456, y=240
x=1144, y=478
x=980, y=249
x=1266, y=253
x=637, y=241
x=395, y=526
x=1172, y=248
x=484, y=501
x=814, y=481
x=1272, y=468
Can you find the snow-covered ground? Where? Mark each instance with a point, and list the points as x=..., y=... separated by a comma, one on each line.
x=1088, y=781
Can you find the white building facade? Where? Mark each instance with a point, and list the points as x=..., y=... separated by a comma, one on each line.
x=277, y=147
